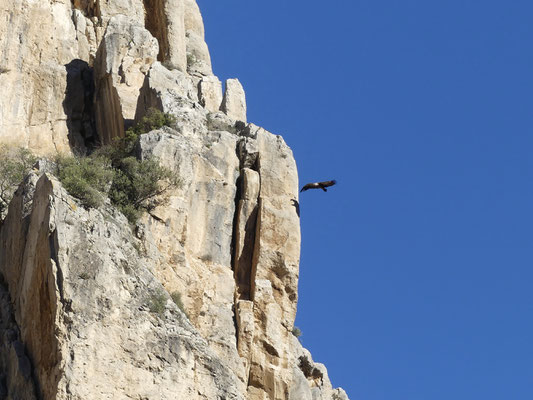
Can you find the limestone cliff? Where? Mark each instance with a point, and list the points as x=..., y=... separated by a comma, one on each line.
x=84, y=297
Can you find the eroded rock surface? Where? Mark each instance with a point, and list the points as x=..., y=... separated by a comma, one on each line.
x=83, y=296
x=43, y=43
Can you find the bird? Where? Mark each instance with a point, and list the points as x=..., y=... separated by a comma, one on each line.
x=318, y=185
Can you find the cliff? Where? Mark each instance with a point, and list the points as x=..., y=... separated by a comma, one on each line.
x=87, y=301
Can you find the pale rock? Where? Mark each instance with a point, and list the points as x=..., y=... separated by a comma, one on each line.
x=198, y=58
x=163, y=88
x=126, y=53
x=36, y=57
x=198, y=261
x=245, y=322
x=234, y=101
x=165, y=19
x=218, y=121
x=310, y=380
x=82, y=306
x=210, y=93
x=193, y=18
x=107, y=9
x=33, y=74
x=248, y=152
x=274, y=267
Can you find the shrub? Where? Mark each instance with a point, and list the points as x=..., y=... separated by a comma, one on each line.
x=15, y=164
x=154, y=119
x=296, y=332
x=176, y=298
x=139, y=185
x=133, y=185
x=86, y=178
x=157, y=302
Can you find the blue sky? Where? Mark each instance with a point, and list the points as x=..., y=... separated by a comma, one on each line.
x=417, y=268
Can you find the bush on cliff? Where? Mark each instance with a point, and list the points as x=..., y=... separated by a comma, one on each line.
x=176, y=298
x=140, y=186
x=86, y=178
x=123, y=147
x=15, y=164
x=296, y=332
x=132, y=185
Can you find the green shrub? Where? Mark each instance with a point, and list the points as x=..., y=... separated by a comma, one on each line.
x=15, y=164
x=86, y=178
x=191, y=59
x=176, y=298
x=296, y=332
x=154, y=119
x=157, y=302
x=133, y=185
x=140, y=185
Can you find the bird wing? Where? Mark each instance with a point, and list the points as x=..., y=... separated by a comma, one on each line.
x=308, y=186
x=327, y=183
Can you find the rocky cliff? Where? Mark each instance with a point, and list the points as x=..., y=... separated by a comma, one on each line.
x=85, y=297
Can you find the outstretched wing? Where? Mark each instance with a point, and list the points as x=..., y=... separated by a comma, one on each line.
x=318, y=185
x=308, y=186
x=327, y=183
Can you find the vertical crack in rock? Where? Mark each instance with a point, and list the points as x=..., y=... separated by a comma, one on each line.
x=156, y=22
x=244, y=237
x=78, y=106
x=245, y=232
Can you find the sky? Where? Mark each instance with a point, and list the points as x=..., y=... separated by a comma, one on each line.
x=416, y=269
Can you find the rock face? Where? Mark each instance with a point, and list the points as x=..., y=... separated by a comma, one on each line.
x=84, y=301
x=115, y=40
x=234, y=102
x=85, y=298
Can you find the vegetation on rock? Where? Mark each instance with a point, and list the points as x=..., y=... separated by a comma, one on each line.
x=132, y=185
x=157, y=303
x=86, y=178
x=15, y=164
x=176, y=298
x=296, y=332
x=140, y=185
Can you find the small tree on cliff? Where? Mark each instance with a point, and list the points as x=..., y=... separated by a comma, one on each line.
x=15, y=164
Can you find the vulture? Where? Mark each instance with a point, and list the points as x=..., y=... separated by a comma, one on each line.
x=318, y=185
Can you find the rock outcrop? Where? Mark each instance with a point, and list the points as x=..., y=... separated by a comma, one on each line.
x=85, y=298
x=93, y=319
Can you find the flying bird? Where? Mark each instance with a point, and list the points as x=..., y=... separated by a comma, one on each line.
x=318, y=185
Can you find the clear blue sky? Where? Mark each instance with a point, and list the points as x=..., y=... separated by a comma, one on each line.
x=416, y=272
